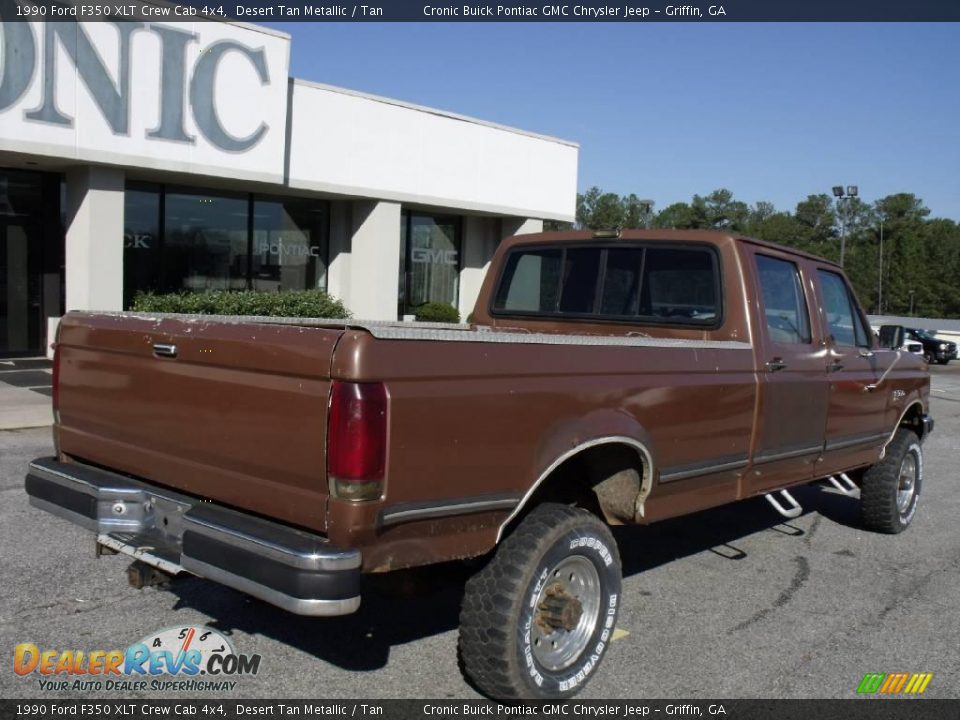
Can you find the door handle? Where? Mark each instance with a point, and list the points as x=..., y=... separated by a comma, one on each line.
x=162, y=350
x=834, y=366
x=775, y=365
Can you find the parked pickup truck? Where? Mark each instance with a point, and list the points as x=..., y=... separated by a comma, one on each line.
x=606, y=379
x=934, y=349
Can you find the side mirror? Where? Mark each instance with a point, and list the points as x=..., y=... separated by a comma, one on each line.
x=892, y=336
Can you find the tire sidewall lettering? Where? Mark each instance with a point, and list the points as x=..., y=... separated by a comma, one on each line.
x=914, y=449
x=598, y=552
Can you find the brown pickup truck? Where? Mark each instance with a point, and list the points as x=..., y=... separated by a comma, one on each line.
x=607, y=378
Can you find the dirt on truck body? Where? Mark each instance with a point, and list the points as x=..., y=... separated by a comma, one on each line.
x=615, y=378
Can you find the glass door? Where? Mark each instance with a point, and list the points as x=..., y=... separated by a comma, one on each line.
x=20, y=287
x=22, y=211
x=432, y=255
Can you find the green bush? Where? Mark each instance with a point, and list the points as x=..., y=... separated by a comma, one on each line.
x=437, y=312
x=287, y=303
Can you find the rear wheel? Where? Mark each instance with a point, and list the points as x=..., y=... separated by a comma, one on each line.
x=891, y=489
x=537, y=620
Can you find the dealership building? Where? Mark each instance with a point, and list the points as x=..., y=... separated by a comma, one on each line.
x=181, y=156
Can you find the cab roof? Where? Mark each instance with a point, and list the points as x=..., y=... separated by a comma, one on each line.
x=714, y=237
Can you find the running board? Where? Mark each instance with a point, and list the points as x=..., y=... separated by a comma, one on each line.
x=793, y=508
x=844, y=484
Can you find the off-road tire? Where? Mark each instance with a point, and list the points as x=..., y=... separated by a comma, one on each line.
x=884, y=482
x=500, y=606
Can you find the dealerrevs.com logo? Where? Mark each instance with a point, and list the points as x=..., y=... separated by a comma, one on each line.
x=894, y=683
x=185, y=659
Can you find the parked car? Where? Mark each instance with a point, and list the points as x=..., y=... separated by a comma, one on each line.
x=615, y=379
x=934, y=349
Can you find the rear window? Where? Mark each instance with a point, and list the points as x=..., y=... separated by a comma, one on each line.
x=675, y=285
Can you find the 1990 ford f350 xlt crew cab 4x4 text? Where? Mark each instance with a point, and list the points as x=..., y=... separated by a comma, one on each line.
x=608, y=378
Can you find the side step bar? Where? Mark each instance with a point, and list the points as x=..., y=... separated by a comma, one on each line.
x=844, y=484
x=792, y=509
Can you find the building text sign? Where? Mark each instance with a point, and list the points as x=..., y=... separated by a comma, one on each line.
x=204, y=97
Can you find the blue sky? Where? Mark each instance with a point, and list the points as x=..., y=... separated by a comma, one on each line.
x=770, y=111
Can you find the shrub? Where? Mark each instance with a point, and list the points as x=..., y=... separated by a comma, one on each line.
x=286, y=303
x=437, y=312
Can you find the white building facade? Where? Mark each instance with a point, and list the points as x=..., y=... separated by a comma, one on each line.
x=179, y=157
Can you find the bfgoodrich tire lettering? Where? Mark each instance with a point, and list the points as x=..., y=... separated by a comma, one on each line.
x=891, y=489
x=537, y=620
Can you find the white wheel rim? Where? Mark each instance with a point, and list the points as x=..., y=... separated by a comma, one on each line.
x=566, y=613
x=907, y=484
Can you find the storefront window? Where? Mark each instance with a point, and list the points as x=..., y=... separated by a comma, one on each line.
x=432, y=260
x=206, y=244
x=141, y=240
x=289, y=244
x=190, y=240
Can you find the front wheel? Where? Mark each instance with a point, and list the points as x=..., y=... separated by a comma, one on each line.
x=891, y=488
x=538, y=619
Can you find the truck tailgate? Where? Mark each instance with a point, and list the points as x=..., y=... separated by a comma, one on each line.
x=236, y=415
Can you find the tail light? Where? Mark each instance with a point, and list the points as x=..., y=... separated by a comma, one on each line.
x=357, y=440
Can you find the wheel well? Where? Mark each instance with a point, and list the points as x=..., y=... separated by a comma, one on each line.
x=913, y=419
x=605, y=479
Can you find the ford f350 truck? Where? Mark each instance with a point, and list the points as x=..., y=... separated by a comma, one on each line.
x=606, y=379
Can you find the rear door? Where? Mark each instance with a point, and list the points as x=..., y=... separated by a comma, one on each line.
x=232, y=412
x=857, y=424
x=792, y=409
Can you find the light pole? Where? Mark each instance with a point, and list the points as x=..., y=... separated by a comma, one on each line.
x=880, y=275
x=911, y=303
x=840, y=195
x=646, y=207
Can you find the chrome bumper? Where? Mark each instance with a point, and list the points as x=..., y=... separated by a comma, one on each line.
x=292, y=569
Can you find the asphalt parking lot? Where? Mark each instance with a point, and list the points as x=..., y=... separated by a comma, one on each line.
x=723, y=604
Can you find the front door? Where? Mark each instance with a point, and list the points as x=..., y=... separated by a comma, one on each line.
x=21, y=282
x=793, y=387
x=857, y=423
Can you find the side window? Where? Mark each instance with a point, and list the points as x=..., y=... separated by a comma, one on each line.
x=680, y=286
x=531, y=282
x=621, y=282
x=783, y=300
x=579, y=289
x=843, y=321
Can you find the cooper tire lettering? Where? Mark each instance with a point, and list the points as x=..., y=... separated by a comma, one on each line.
x=559, y=573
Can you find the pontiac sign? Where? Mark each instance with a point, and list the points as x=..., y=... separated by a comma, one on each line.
x=218, y=99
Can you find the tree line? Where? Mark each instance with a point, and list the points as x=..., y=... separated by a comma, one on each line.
x=921, y=255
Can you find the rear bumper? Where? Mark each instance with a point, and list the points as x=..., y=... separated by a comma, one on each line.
x=292, y=569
